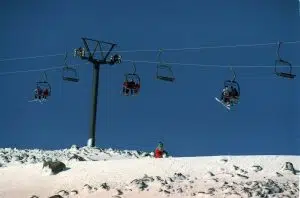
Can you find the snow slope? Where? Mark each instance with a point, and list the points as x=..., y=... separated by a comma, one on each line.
x=138, y=175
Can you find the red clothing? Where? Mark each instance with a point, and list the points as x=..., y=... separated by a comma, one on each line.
x=46, y=92
x=158, y=153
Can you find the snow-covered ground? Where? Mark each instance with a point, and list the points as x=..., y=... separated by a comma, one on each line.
x=94, y=172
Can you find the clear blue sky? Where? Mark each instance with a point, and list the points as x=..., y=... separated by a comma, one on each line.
x=184, y=114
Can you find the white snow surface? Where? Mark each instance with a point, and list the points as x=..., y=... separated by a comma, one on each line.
x=124, y=174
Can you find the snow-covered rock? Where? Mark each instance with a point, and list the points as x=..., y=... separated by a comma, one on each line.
x=10, y=157
x=53, y=167
x=289, y=167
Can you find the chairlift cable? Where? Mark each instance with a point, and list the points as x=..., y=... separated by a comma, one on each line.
x=202, y=65
x=150, y=62
x=156, y=50
x=33, y=70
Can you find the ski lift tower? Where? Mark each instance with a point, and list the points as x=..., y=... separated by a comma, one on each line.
x=89, y=55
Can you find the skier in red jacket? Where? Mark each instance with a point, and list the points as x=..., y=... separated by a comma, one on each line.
x=159, y=151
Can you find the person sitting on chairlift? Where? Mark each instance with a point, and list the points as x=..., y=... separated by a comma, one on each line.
x=125, y=88
x=38, y=92
x=234, y=92
x=225, y=96
x=136, y=88
x=45, y=93
x=131, y=86
x=115, y=59
x=79, y=52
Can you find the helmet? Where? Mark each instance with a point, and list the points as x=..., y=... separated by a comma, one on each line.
x=160, y=145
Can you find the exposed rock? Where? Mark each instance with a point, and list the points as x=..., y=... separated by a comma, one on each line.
x=75, y=157
x=279, y=175
x=170, y=179
x=140, y=184
x=167, y=192
x=56, y=196
x=146, y=178
x=73, y=192
x=158, y=178
x=257, y=168
x=89, y=189
x=63, y=193
x=215, y=179
x=211, y=191
x=179, y=176
x=288, y=166
x=243, y=176
x=179, y=190
x=119, y=192
x=53, y=167
x=105, y=186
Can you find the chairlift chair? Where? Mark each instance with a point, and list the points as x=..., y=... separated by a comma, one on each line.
x=132, y=77
x=169, y=77
x=42, y=85
x=234, y=85
x=69, y=73
x=281, y=62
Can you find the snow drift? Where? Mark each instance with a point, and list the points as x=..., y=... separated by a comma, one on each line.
x=92, y=172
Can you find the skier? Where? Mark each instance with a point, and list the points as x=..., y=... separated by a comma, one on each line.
x=125, y=88
x=38, y=92
x=136, y=89
x=45, y=93
x=225, y=96
x=131, y=84
x=115, y=59
x=159, y=151
x=79, y=52
x=235, y=93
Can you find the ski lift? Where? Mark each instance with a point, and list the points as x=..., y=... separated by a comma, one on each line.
x=231, y=93
x=282, y=62
x=169, y=77
x=69, y=73
x=44, y=84
x=42, y=90
x=132, y=83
